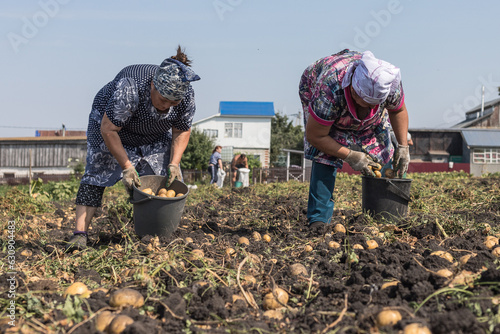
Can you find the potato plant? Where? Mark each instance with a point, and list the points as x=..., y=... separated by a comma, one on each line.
x=244, y=261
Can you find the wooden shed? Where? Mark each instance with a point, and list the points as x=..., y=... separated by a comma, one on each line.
x=44, y=155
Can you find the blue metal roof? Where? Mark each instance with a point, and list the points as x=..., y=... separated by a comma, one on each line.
x=238, y=108
x=481, y=138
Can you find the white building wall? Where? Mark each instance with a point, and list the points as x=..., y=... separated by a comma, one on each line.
x=255, y=139
x=256, y=132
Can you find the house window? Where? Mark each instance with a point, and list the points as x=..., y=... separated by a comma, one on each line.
x=233, y=130
x=238, y=130
x=486, y=156
x=228, y=130
x=213, y=133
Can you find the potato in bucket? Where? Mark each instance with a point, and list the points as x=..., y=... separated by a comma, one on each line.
x=155, y=215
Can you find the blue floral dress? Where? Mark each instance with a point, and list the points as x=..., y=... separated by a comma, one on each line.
x=146, y=134
x=323, y=98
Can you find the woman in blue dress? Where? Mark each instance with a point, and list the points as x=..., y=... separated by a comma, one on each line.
x=139, y=124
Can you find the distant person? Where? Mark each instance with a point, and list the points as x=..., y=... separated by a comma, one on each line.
x=215, y=164
x=140, y=124
x=348, y=99
x=239, y=161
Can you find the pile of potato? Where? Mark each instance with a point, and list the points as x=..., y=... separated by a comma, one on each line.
x=163, y=192
x=376, y=170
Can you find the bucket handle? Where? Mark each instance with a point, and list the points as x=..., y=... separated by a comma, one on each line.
x=398, y=191
x=142, y=200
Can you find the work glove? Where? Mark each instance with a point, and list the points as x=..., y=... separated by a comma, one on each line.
x=173, y=173
x=360, y=162
x=401, y=160
x=131, y=178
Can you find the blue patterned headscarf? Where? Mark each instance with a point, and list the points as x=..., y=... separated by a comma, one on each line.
x=172, y=79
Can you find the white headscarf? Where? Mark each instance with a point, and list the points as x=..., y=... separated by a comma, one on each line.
x=372, y=78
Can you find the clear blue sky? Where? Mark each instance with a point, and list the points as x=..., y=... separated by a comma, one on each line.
x=56, y=54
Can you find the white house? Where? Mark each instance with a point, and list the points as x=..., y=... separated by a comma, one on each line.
x=241, y=127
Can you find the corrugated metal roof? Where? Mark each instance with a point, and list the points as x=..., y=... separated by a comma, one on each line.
x=486, y=105
x=245, y=108
x=481, y=138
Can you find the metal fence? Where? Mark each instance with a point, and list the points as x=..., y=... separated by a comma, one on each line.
x=257, y=175
x=280, y=174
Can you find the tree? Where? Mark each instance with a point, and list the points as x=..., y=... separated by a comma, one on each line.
x=285, y=135
x=198, y=151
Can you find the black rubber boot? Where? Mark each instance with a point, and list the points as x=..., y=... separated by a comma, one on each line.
x=77, y=242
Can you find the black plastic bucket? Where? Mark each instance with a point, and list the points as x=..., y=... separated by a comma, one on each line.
x=154, y=215
x=386, y=198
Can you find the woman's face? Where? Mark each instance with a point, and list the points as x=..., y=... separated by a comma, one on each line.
x=161, y=104
x=359, y=101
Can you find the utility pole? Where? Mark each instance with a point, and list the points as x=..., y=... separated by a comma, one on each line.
x=482, y=102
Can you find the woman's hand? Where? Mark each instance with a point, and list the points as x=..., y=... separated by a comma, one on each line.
x=360, y=162
x=173, y=173
x=401, y=160
x=131, y=178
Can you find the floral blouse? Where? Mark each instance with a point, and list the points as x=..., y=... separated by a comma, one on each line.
x=323, y=99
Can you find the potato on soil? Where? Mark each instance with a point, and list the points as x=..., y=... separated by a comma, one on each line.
x=388, y=317
x=464, y=259
x=230, y=252
x=119, y=323
x=249, y=279
x=496, y=252
x=357, y=246
x=271, y=303
x=188, y=240
x=445, y=273
x=103, y=319
x=416, y=328
x=238, y=297
x=274, y=314
x=197, y=254
x=333, y=244
x=491, y=242
x=308, y=248
x=388, y=284
x=126, y=297
x=339, y=228
x=77, y=288
x=443, y=255
x=371, y=230
x=243, y=241
x=298, y=269
x=266, y=237
x=372, y=244
x=256, y=236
